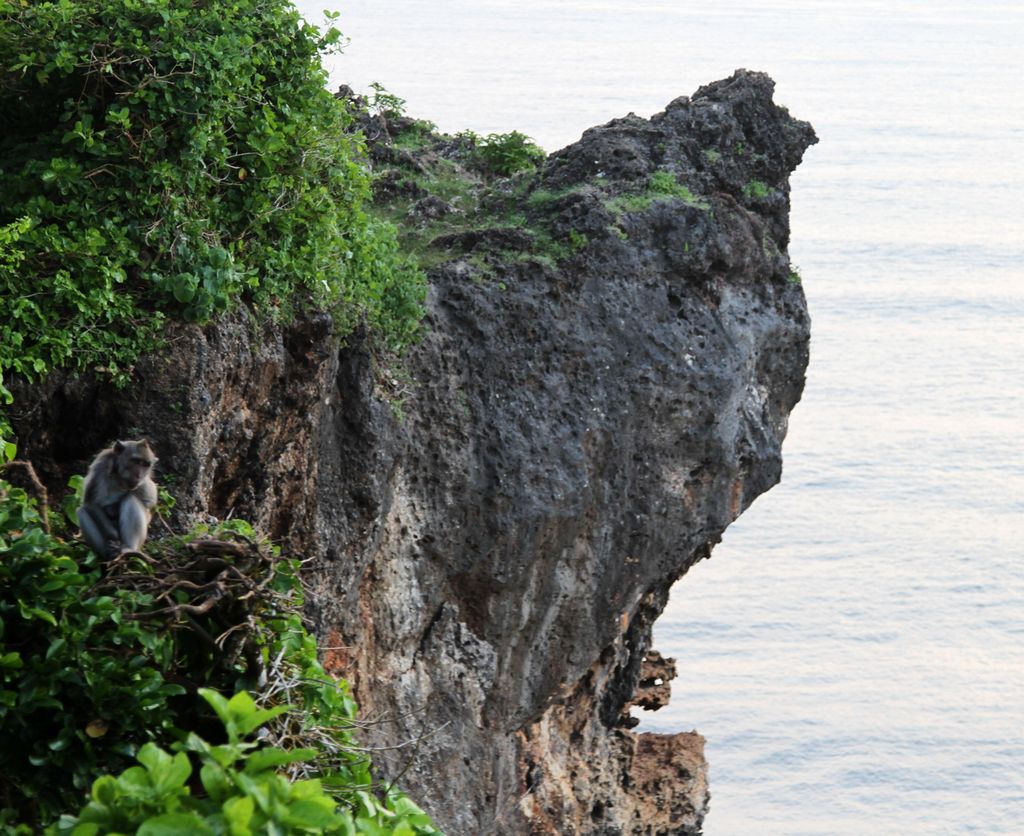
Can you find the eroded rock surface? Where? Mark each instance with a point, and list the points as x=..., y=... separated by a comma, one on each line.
x=614, y=345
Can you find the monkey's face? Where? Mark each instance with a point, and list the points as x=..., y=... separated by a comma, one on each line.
x=135, y=462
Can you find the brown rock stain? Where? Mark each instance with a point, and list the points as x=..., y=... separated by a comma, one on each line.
x=736, y=499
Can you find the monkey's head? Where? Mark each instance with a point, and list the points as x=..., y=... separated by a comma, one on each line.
x=134, y=461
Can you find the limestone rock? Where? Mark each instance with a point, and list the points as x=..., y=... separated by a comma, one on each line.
x=603, y=386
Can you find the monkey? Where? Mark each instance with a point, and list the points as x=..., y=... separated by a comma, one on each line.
x=118, y=498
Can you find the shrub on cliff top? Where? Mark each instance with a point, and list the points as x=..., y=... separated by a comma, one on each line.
x=504, y=154
x=168, y=158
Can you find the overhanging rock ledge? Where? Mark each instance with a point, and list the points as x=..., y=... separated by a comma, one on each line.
x=577, y=430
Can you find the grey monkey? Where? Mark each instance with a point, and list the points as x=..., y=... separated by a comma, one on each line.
x=118, y=498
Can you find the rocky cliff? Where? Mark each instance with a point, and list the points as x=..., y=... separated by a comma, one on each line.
x=493, y=523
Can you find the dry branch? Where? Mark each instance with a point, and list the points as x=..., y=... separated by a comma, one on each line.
x=204, y=588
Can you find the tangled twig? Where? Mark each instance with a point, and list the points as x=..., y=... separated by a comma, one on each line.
x=212, y=589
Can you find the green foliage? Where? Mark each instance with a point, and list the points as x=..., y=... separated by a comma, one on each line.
x=458, y=174
x=540, y=198
x=666, y=183
x=418, y=134
x=756, y=190
x=504, y=154
x=662, y=185
x=10, y=258
x=577, y=240
x=442, y=178
x=72, y=499
x=88, y=675
x=384, y=103
x=70, y=663
x=244, y=791
x=168, y=158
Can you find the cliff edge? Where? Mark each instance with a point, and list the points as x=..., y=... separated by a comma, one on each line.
x=613, y=346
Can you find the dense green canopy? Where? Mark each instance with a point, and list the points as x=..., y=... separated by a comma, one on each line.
x=168, y=158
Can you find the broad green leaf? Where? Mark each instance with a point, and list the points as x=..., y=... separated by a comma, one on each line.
x=313, y=813
x=29, y=613
x=134, y=779
x=257, y=718
x=272, y=758
x=215, y=781
x=241, y=705
x=105, y=790
x=217, y=703
x=238, y=814
x=175, y=824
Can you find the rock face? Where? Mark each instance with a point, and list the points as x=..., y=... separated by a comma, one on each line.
x=603, y=387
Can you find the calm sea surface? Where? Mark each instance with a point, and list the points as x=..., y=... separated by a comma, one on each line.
x=854, y=651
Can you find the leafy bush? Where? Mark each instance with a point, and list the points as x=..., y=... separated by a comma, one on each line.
x=10, y=258
x=94, y=665
x=756, y=190
x=666, y=183
x=243, y=789
x=166, y=157
x=384, y=103
x=505, y=154
x=70, y=662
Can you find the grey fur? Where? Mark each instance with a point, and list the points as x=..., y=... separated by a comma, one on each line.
x=117, y=498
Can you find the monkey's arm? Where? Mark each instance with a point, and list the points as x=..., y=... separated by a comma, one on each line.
x=146, y=493
x=99, y=531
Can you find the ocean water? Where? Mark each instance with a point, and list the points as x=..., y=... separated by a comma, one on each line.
x=854, y=650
